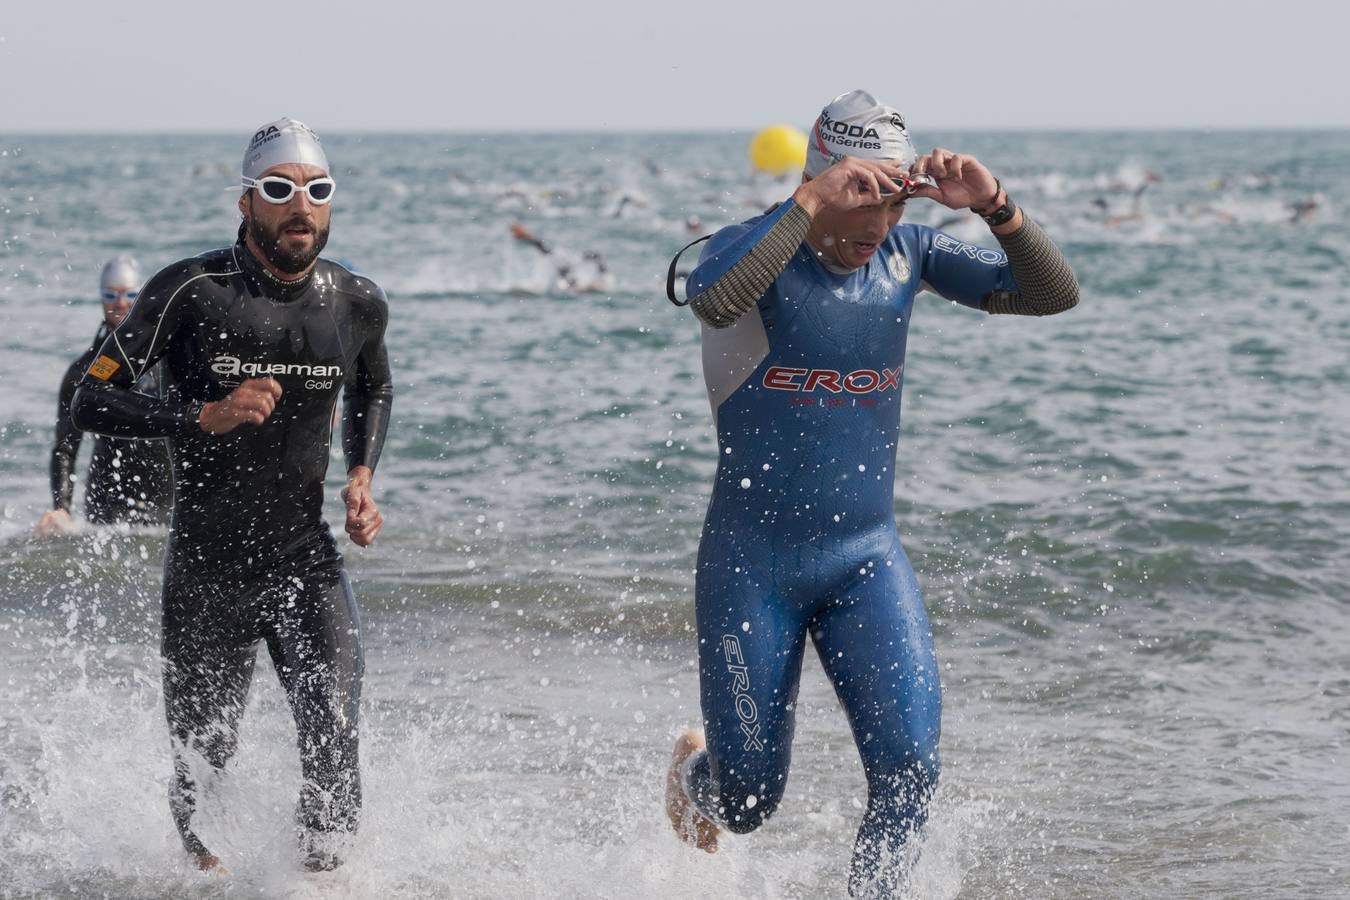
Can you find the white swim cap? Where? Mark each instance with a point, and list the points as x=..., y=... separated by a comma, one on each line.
x=281, y=142
x=121, y=271
x=855, y=124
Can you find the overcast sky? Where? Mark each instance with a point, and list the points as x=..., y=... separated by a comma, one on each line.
x=154, y=65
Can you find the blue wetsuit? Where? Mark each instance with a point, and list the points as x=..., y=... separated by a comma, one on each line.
x=800, y=535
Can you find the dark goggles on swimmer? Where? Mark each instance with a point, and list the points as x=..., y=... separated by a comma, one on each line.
x=114, y=296
x=280, y=189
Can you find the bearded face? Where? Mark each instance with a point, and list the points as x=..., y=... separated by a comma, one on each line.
x=289, y=235
x=290, y=244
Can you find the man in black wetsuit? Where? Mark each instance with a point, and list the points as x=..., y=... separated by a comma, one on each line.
x=128, y=481
x=257, y=340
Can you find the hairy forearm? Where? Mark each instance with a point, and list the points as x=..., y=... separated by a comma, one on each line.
x=1045, y=283
x=740, y=287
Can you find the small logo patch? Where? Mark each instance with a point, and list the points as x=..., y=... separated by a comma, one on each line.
x=898, y=264
x=104, y=367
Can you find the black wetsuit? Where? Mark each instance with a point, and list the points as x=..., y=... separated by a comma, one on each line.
x=249, y=556
x=128, y=481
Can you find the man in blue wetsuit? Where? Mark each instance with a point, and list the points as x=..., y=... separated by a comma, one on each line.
x=806, y=311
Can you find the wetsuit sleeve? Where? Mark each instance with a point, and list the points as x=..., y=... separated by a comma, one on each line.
x=1030, y=278
x=742, y=261
x=105, y=401
x=1045, y=283
x=68, y=439
x=368, y=394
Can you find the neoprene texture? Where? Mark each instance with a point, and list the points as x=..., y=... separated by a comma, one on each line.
x=217, y=320
x=249, y=557
x=1046, y=284
x=728, y=298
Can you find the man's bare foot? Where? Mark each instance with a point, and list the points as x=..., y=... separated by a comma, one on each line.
x=693, y=827
x=320, y=861
x=320, y=851
x=54, y=522
x=208, y=862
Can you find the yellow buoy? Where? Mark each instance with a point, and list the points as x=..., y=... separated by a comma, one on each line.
x=778, y=150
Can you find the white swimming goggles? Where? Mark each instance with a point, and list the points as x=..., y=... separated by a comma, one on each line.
x=279, y=189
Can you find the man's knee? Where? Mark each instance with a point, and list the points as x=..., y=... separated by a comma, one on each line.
x=214, y=743
x=217, y=746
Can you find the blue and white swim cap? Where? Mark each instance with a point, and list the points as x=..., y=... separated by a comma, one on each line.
x=856, y=124
x=278, y=143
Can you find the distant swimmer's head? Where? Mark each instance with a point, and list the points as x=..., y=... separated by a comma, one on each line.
x=856, y=124
x=119, y=285
x=286, y=195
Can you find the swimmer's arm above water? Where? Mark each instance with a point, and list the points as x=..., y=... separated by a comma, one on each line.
x=741, y=262
x=525, y=236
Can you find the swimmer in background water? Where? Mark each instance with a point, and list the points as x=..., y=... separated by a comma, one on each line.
x=1300, y=210
x=625, y=201
x=128, y=480
x=1305, y=209
x=692, y=225
x=1122, y=184
x=1252, y=181
x=590, y=275
x=1136, y=213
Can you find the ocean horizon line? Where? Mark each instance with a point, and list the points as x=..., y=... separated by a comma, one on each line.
x=699, y=132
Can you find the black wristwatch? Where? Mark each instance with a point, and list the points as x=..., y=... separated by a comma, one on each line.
x=1000, y=215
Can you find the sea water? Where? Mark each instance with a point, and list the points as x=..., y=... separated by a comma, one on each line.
x=1131, y=523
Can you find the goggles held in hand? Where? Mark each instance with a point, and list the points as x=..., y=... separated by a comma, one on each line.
x=910, y=182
